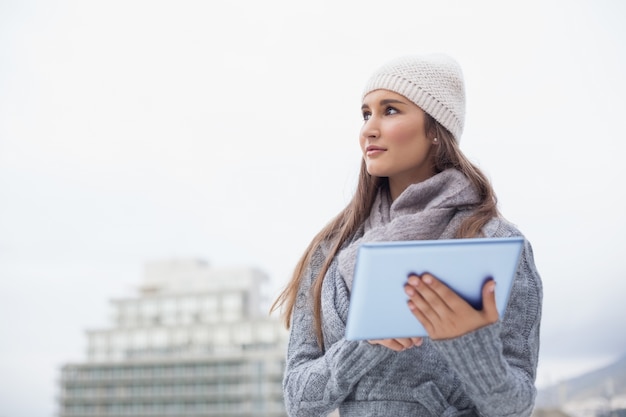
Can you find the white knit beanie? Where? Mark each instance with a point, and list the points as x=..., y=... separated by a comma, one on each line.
x=433, y=82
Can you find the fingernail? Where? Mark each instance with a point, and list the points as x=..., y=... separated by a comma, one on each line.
x=427, y=279
x=492, y=288
x=409, y=291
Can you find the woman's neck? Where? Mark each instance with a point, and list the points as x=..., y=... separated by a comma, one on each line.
x=398, y=185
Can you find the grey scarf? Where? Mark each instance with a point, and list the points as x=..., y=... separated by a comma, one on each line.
x=432, y=209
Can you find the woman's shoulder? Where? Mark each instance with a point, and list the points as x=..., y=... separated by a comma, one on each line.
x=501, y=227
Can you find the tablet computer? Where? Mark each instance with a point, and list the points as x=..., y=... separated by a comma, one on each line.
x=378, y=304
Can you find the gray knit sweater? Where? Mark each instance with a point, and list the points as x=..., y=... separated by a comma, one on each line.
x=488, y=372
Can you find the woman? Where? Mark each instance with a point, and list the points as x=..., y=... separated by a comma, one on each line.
x=415, y=183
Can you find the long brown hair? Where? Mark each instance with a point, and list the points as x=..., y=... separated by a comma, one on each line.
x=340, y=229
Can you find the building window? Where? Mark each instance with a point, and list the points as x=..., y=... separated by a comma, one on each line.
x=189, y=309
x=208, y=309
x=149, y=311
x=232, y=307
x=242, y=333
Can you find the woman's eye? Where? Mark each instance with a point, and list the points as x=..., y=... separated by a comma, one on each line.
x=390, y=110
x=366, y=115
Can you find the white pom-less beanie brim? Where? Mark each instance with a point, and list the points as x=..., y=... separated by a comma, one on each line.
x=433, y=82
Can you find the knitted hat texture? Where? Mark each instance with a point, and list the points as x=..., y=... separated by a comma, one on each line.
x=433, y=82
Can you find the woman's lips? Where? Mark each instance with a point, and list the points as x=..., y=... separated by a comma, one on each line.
x=374, y=150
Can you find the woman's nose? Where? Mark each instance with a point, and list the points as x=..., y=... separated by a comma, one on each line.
x=371, y=129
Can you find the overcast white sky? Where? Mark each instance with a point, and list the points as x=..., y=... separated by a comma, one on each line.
x=135, y=130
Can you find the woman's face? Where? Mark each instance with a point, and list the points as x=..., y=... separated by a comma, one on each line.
x=393, y=140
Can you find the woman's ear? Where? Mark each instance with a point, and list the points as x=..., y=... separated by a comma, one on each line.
x=430, y=126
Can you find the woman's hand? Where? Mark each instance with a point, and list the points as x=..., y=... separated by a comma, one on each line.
x=398, y=344
x=443, y=313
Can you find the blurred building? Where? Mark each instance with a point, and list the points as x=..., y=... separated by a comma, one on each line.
x=195, y=341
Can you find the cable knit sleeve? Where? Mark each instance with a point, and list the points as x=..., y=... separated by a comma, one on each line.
x=498, y=363
x=317, y=381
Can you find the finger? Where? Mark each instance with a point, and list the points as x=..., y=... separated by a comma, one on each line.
x=423, y=318
x=411, y=285
x=388, y=343
x=405, y=342
x=417, y=341
x=429, y=289
x=420, y=307
x=490, y=309
x=440, y=295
